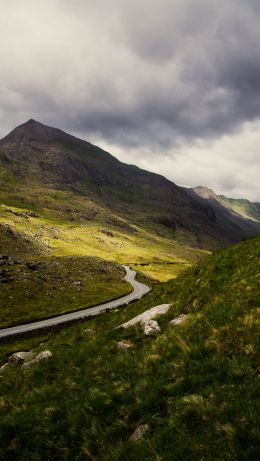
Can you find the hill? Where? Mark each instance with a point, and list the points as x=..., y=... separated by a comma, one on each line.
x=194, y=386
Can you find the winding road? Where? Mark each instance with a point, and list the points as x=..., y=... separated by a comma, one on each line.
x=139, y=290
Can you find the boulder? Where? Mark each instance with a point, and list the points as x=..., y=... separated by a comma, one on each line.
x=41, y=356
x=19, y=358
x=124, y=344
x=150, y=328
x=147, y=315
x=181, y=318
x=139, y=433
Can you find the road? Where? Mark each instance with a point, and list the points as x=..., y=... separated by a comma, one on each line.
x=139, y=290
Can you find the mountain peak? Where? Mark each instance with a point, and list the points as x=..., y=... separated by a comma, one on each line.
x=32, y=130
x=205, y=192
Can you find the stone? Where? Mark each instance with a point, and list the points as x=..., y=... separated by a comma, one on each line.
x=150, y=328
x=88, y=331
x=147, y=315
x=3, y=367
x=124, y=344
x=181, y=318
x=139, y=433
x=20, y=357
x=41, y=356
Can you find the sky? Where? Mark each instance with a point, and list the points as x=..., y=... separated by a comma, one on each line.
x=172, y=86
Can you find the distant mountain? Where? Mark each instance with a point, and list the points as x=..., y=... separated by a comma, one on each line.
x=242, y=207
x=234, y=215
x=38, y=164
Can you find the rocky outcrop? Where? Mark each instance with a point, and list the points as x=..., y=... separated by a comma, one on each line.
x=181, y=318
x=41, y=356
x=147, y=315
x=150, y=328
x=26, y=359
x=18, y=358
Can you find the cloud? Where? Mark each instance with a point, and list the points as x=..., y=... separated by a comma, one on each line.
x=229, y=165
x=144, y=76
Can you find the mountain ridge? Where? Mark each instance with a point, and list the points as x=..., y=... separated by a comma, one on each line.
x=248, y=209
x=34, y=156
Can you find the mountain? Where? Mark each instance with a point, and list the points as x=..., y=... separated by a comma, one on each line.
x=234, y=216
x=65, y=179
x=242, y=207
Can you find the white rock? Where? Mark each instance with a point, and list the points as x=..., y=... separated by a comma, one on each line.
x=150, y=327
x=139, y=432
x=20, y=357
x=41, y=356
x=181, y=318
x=124, y=344
x=147, y=315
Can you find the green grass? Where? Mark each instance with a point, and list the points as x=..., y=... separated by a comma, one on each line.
x=50, y=286
x=56, y=236
x=162, y=271
x=242, y=207
x=195, y=384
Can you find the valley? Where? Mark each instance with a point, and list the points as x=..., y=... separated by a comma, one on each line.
x=71, y=216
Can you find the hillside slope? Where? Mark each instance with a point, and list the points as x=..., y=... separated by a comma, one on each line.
x=194, y=385
x=55, y=173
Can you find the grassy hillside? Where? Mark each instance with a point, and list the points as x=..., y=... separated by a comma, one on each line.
x=110, y=239
x=195, y=384
x=45, y=287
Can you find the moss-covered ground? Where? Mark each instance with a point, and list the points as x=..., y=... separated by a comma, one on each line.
x=195, y=384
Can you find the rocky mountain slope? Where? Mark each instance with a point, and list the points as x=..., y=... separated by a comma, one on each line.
x=233, y=216
x=51, y=172
x=242, y=207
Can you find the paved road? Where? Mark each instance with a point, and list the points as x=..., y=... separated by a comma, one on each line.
x=139, y=290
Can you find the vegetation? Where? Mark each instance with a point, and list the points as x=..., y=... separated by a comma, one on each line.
x=195, y=384
x=162, y=271
x=43, y=288
x=53, y=235
x=243, y=207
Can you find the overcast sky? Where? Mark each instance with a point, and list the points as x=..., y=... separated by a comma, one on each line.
x=170, y=85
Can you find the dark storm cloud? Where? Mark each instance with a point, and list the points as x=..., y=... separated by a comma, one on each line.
x=194, y=72
x=148, y=74
x=191, y=68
